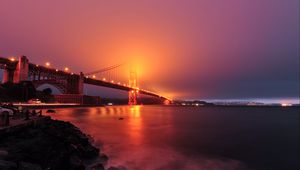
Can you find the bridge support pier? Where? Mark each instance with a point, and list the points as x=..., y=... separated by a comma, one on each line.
x=80, y=83
x=8, y=76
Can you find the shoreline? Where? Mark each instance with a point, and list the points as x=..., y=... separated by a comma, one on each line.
x=43, y=107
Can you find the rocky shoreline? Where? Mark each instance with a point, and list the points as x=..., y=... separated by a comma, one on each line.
x=50, y=145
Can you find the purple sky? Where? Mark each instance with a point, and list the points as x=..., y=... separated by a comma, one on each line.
x=184, y=49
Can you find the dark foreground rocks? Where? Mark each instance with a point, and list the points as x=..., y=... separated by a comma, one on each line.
x=50, y=144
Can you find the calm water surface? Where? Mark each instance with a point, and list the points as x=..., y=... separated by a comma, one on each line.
x=166, y=137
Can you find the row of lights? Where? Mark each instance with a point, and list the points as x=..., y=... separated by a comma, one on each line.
x=66, y=69
x=104, y=79
x=119, y=83
x=47, y=64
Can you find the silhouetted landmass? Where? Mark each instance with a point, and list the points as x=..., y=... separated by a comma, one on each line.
x=192, y=103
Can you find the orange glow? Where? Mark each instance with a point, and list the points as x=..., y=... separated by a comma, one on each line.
x=12, y=59
x=136, y=125
x=47, y=64
x=66, y=69
x=104, y=79
x=167, y=102
x=94, y=76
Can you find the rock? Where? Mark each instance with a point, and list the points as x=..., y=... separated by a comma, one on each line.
x=53, y=144
x=50, y=111
x=103, y=159
x=3, y=153
x=97, y=166
x=7, y=165
x=117, y=168
x=76, y=163
x=29, y=166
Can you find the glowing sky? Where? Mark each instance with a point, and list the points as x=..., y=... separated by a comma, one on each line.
x=183, y=48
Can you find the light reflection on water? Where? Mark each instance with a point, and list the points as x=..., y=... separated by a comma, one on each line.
x=158, y=137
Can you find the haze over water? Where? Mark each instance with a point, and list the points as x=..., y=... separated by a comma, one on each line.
x=163, y=137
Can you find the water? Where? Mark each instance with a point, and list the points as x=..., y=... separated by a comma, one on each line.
x=166, y=137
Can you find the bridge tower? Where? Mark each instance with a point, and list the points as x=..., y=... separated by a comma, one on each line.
x=21, y=72
x=132, y=94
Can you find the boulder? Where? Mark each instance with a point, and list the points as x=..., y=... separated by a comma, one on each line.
x=117, y=168
x=7, y=165
x=29, y=166
x=97, y=166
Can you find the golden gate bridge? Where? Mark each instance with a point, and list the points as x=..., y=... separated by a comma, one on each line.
x=70, y=83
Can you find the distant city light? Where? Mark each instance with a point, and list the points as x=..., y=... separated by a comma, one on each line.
x=285, y=104
x=56, y=70
x=12, y=59
x=104, y=79
x=94, y=76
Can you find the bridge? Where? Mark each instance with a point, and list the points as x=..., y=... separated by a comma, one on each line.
x=67, y=82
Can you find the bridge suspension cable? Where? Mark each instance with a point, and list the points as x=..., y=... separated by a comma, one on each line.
x=104, y=69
